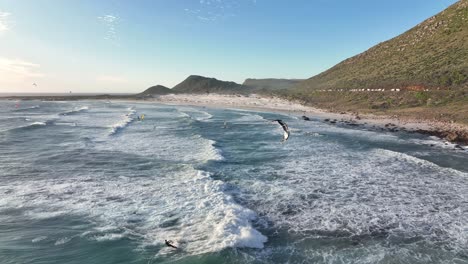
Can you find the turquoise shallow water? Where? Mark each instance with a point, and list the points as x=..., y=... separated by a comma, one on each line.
x=86, y=182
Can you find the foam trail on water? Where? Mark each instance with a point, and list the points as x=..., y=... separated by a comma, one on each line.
x=202, y=116
x=250, y=118
x=195, y=114
x=75, y=111
x=183, y=114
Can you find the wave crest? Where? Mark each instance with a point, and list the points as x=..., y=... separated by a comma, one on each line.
x=124, y=122
x=76, y=110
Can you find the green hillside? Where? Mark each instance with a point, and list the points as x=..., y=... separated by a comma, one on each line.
x=200, y=84
x=432, y=54
x=270, y=84
x=157, y=90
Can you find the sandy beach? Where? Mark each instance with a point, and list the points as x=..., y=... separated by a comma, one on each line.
x=452, y=132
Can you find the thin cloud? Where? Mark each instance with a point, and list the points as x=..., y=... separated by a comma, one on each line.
x=214, y=10
x=18, y=71
x=4, y=21
x=111, y=23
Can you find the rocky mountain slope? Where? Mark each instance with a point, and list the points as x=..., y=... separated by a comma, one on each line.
x=433, y=54
x=200, y=84
x=157, y=90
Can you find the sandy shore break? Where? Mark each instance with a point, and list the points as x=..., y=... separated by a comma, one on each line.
x=450, y=131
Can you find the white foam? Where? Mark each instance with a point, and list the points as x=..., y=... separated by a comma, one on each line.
x=124, y=122
x=187, y=206
x=437, y=142
x=249, y=118
x=65, y=124
x=195, y=114
x=183, y=114
x=75, y=110
x=39, y=239
x=32, y=107
x=203, y=116
x=62, y=241
x=326, y=190
x=108, y=237
x=38, y=124
x=213, y=152
x=164, y=144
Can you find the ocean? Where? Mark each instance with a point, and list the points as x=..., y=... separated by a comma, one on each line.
x=88, y=182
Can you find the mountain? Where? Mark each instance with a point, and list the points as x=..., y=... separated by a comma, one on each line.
x=200, y=84
x=270, y=84
x=157, y=90
x=430, y=55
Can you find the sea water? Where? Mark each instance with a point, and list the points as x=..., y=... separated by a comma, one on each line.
x=88, y=182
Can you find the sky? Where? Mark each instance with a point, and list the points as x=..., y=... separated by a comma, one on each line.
x=115, y=46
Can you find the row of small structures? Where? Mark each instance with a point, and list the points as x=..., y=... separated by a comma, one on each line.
x=363, y=90
x=413, y=88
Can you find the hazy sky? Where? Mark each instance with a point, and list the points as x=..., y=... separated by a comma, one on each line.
x=127, y=46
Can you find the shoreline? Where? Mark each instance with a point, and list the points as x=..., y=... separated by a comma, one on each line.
x=452, y=132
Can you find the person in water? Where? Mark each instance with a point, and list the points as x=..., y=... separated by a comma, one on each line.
x=169, y=243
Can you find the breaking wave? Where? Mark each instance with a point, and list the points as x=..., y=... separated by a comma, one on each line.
x=382, y=194
x=185, y=206
x=124, y=122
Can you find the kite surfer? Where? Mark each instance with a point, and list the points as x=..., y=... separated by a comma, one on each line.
x=169, y=243
x=285, y=128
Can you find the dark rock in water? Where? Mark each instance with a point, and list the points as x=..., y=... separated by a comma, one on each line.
x=459, y=147
x=326, y=120
x=305, y=118
x=333, y=122
x=432, y=145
